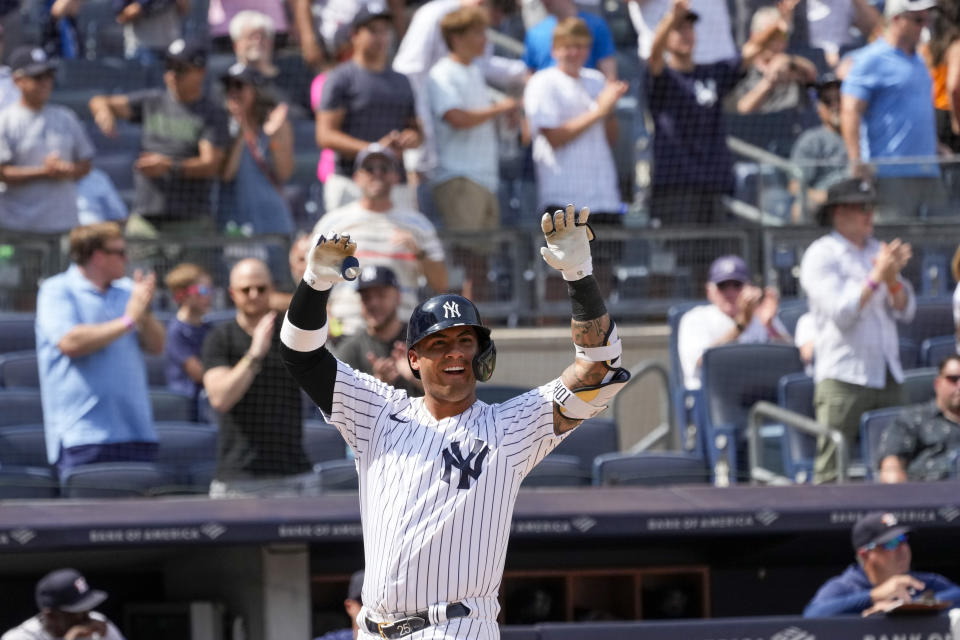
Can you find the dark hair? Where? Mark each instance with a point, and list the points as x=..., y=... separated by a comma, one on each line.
x=945, y=29
x=86, y=239
x=946, y=361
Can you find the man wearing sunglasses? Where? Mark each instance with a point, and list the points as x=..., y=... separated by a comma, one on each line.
x=888, y=92
x=923, y=442
x=881, y=578
x=44, y=150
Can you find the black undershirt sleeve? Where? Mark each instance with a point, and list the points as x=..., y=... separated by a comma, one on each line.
x=315, y=371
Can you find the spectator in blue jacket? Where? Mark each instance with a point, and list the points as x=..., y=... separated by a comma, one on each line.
x=882, y=578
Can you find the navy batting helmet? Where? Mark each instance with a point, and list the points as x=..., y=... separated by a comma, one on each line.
x=448, y=310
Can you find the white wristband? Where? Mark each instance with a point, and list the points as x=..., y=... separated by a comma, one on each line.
x=316, y=283
x=302, y=340
x=582, y=270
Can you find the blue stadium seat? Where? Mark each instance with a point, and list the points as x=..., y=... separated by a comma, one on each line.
x=20, y=406
x=338, y=475
x=322, y=442
x=498, y=393
x=934, y=350
x=686, y=404
x=592, y=438
x=18, y=370
x=909, y=353
x=735, y=377
x=557, y=471
x=934, y=318
x=790, y=312
x=117, y=480
x=650, y=468
x=795, y=393
x=156, y=370
x=23, y=445
x=183, y=444
x=918, y=384
x=169, y=406
x=27, y=483
x=16, y=332
x=872, y=425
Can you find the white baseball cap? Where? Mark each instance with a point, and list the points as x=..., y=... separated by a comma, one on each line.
x=893, y=8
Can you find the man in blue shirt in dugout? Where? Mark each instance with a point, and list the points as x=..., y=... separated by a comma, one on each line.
x=92, y=323
x=882, y=578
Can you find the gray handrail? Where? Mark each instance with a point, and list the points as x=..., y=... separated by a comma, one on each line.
x=765, y=157
x=770, y=411
x=637, y=373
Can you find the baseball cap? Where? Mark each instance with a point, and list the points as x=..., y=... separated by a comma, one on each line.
x=374, y=149
x=67, y=590
x=377, y=276
x=893, y=8
x=368, y=13
x=356, y=586
x=727, y=268
x=30, y=61
x=846, y=191
x=190, y=52
x=828, y=79
x=239, y=72
x=876, y=527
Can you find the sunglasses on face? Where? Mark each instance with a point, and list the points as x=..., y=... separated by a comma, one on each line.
x=199, y=289
x=234, y=85
x=952, y=379
x=889, y=545
x=115, y=252
x=729, y=285
x=377, y=167
x=178, y=67
x=915, y=18
x=260, y=289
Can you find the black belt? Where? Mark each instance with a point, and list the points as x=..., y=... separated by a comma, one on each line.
x=416, y=622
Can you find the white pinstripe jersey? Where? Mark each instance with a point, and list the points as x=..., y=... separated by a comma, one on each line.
x=437, y=496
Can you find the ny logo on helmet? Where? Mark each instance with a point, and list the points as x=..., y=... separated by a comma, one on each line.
x=451, y=309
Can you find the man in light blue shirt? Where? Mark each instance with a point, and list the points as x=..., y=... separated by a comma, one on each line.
x=538, y=43
x=92, y=323
x=887, y=113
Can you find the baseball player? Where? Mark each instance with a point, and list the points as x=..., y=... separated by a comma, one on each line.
x=439, y=475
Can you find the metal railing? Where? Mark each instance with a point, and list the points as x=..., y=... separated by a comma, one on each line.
x=768, y=411
x=662, y=431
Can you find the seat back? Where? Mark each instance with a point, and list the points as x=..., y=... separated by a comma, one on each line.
x=557, y=471
x=338, y=475
x=592, y=438
x=20, y=406
x=156, y=370
x=789, y=313
x=934, y=350
x=18, y=370
x=795, y=393
x=169, y=406
x=872, y=425
x=934, y=318
x=23, y=445
x=116, y=480
x=918, y=385
x=17, y=333
x=322, y=442
x=27, y=483
x=184, y=444
x=650, y=468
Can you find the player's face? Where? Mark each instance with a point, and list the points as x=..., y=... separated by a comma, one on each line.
x=880, y=563
x=947, y=387
x=445, y=362
x=379, y=306
x=57, y=622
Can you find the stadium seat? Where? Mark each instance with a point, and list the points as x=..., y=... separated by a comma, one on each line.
x=27, y=483
x=735, y=377
x=909, y=353
x=795, y=393
x=686, y=404
x=117, y=480
x=23, y=445
x=592, y=438
x=789, y=313
x=17, y=332
x=872, y=425
x=650, y=468
x=557, y=471
x=18, y=370
x=322, y=442
x=918, y=384
x=169, y=406
x=20, y=406
x=156, y=370
x=182, y=445
x=934, y=350
x=498, y=393
x=338, y=475
x=934, y=318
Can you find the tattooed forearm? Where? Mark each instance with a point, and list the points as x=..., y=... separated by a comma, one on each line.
x=590, y=333
x=562, y=424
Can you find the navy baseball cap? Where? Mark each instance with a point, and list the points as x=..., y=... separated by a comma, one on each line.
x=30, y=61
x=377, y=276
x=239, y=72
x=726, y=268
x=67, y=590
x=191, y=52
x=374, y=149
x=356, y=586
x=368, y=13
x=876, y=527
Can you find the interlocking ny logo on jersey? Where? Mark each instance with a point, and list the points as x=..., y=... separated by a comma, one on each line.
x=453, y=458
x=451, y=309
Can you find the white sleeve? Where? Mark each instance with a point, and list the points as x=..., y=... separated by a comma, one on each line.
x=540, y=105
x=358, y=400
x=692, y=341
x=956, y=306
x=527, y=423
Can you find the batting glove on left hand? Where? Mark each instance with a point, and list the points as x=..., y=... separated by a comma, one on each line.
x=568, y=242
x=330, y=261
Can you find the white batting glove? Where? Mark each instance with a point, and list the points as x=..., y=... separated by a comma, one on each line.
x=568, y=242
x=330, y=261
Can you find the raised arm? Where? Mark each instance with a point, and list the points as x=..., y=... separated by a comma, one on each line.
x=671, y=20
x=595, y=376
x=303, y=336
